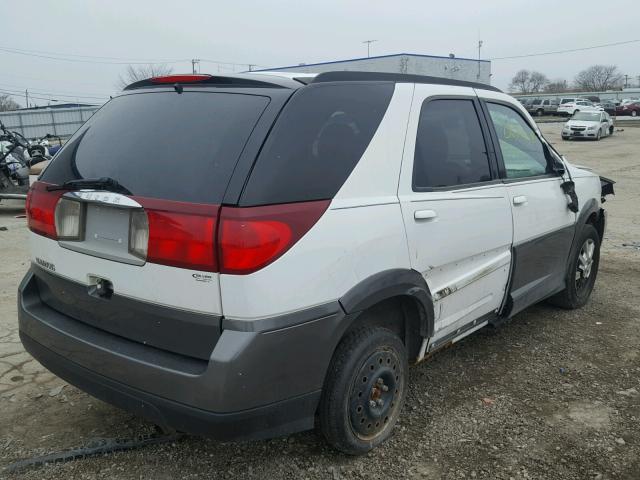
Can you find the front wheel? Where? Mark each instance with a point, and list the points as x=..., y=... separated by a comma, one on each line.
x=364, y=390
x=582, y=271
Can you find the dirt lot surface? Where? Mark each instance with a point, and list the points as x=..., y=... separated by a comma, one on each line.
x=551, y=395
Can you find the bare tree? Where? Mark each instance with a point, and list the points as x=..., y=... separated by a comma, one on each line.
x=538, y=81
x=141, y=72
x=599, y=78
x=7, y=103
x=557, y=86
x=526, y=81
x=521, y=82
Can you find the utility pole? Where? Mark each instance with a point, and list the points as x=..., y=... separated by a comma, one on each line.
x=369, y=42
x=626, y=81
x=194, y=62
x=479, y=50
x=26, y=97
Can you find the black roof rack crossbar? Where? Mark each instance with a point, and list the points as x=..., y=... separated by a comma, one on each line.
x=349, y=76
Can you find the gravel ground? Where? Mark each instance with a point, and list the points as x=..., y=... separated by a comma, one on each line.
x=551, y=395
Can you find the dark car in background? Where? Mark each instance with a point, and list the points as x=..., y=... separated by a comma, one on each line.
x=632, y=109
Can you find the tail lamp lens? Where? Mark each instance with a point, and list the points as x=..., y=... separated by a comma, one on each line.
x=41, y=207
x=251, y=238
x=139, y=234
x=69, y=219
x=174, y=233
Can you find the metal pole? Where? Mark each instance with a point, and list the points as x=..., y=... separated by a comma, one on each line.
x=26, y=97
x=369, y=42
x=479, y=49
x=195, y=61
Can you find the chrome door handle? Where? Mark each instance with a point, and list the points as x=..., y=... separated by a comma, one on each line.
x=424, y=214
x=519, y=200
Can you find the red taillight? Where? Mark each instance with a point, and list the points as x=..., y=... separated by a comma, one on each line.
x=250, y=238
x=180, y=78
x=181, y=234
x=41, y=209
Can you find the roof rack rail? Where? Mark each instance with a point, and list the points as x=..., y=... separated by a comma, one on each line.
x=351, y=76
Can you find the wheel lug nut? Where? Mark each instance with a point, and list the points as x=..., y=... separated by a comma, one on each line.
x=372, y=403
x=380, y=381
x=385, y=388
x=380, y=402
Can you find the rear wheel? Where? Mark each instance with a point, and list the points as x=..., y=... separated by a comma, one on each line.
x=582, y=271
x=364, y=390
x=540, y=112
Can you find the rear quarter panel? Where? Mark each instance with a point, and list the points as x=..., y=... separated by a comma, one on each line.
x=362, y=233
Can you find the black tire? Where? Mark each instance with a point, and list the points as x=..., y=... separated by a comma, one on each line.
x=369, y=365
x=580, y=283
x=611, y=129
x=540, y=112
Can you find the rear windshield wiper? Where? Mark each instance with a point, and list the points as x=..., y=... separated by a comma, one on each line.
x=102, y=183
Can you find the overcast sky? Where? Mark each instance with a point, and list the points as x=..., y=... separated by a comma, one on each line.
x=279, y=33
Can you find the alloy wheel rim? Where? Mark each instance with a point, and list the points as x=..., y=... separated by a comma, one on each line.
x=586, y=259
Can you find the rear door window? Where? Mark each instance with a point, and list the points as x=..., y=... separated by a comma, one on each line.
x=450, y=147
x=165, y=145
x=317, y=141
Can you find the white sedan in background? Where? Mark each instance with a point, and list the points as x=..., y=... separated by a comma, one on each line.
x=576, y=106
x=588, y=124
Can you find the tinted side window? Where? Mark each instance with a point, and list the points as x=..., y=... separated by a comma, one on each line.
x=450, y=148
x=316, y=142
x=522, y=151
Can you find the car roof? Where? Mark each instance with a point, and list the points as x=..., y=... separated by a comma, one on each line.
x=294, y=80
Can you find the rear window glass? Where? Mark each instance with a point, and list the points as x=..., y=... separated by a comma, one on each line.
x=316, y=142
x=163, y=145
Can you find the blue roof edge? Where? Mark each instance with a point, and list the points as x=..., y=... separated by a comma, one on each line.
x=369, y=58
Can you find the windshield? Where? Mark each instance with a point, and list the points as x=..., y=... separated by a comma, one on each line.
x=586, y=116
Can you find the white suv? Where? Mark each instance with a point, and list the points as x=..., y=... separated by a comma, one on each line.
x=575, y=105
x=250, y=256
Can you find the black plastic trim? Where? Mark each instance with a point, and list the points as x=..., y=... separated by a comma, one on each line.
x=539, y=268
x=388, y=284
x=350, y=76
x=169, y=329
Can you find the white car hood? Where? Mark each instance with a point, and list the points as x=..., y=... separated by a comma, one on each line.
x=581, y=123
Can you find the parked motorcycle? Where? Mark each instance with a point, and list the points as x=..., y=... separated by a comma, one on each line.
x=15, y=161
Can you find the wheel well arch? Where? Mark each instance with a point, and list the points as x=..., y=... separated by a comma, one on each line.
x=397, y=299
x=400, y=314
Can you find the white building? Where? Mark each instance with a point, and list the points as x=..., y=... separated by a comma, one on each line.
x=447, y=67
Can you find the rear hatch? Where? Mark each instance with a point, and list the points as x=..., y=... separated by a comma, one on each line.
x=125, y=217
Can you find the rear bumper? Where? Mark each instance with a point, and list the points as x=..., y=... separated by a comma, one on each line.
x=280, y=418
x=257, y=384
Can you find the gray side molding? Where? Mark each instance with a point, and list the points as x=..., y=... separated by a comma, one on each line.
x=388, y=284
